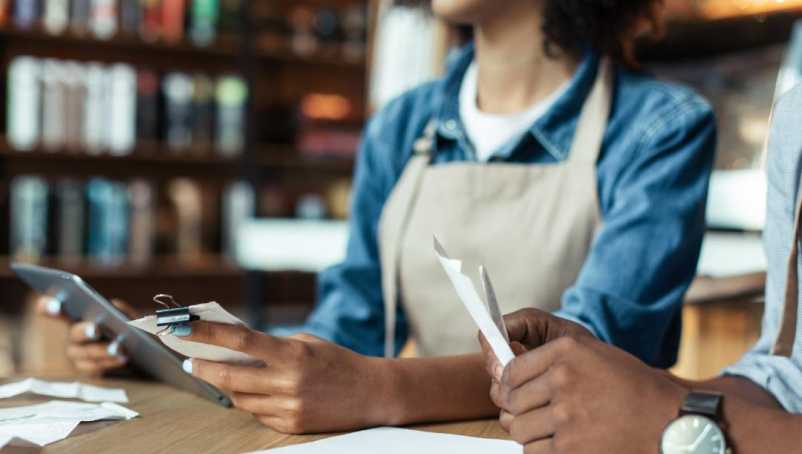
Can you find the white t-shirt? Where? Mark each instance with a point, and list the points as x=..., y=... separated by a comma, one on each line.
x=489, y=132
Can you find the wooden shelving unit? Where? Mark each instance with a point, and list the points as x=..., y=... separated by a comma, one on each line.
x=277, y=78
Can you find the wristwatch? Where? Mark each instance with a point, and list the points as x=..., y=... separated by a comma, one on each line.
x=697, y=429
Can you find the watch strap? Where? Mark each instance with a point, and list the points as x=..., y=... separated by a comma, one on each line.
x=702, y=403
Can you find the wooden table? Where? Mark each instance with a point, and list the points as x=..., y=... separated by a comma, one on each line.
x=175, y=422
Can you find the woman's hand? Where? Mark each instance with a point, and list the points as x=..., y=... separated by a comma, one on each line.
x=308, y=384
x=89, y=353
x=576, y=394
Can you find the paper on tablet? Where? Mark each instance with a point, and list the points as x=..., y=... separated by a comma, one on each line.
x=470, y=298
x=68, y=390
x=210, y=312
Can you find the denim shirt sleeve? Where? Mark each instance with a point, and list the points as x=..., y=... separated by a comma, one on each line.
x=630, y=289
x=350, y=309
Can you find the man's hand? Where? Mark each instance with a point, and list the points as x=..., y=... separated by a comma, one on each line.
x=88, y=351
x=307, y=385
x=576, y=394
x=527, y=329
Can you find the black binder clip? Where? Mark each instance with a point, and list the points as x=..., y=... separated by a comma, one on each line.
x=172, y=315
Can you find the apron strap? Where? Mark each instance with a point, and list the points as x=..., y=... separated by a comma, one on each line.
x=592, y=123
x=786, y=334
x=406, y=192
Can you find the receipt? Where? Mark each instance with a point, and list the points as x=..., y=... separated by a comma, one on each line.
x=39, y=434
x=68, y=390
x=470, y=298
x=210, y=312
x=60, y=411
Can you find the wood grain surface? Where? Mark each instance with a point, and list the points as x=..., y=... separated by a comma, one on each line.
x=176, y=422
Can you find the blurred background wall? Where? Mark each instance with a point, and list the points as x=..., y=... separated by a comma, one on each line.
x=204, y=148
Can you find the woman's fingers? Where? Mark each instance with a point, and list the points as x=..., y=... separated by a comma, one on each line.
x=83, y=332
x=97, y=367
x=239, y=338
x=233, y=378
x=505, y=419
x=50, y=307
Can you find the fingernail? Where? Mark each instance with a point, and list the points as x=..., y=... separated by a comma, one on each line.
x=187, y=366
x=114, y=348
x=498, y=372
x=54, y=306
x=90, y=331
x=181, y=330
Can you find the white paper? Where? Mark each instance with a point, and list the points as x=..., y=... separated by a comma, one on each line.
x=390, y=440
x=210, y=312
x=67, y=390
x=61, y=411
x=470, y=298
x=40, y=434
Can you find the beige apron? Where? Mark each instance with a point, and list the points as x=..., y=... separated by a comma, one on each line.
x=530, y=224
x=786, y=334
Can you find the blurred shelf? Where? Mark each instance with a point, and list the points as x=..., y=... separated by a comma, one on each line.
x=227, y=46
x=164, y=267
x=155, y=159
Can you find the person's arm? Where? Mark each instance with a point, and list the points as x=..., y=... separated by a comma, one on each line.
x=575, y=395
x=630, y=288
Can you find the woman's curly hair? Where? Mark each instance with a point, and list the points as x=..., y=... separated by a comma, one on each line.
x=609, y=26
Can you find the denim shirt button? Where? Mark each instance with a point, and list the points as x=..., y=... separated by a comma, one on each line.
x=451, y=125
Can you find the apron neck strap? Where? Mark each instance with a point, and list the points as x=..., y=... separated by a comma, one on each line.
x=592, y=123
x=786, y=334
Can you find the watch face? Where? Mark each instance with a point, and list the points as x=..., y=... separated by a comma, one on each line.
x=693, y=434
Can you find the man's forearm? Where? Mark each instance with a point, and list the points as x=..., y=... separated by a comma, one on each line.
x=753, y=420
x=438, y=389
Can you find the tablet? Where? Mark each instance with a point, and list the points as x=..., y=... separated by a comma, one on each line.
x=82, y=302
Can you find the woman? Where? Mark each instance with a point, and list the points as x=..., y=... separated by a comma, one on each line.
x=580, y=183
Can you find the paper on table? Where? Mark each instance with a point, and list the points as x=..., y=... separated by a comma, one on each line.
x=210, y=312
x=69, y=390
x=390, y=440
x=40, y=434
x=470, y=298
x=56, y=410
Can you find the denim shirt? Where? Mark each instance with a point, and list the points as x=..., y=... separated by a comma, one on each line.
x=653, y=173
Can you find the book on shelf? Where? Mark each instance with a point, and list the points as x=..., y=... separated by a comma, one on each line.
x=178, y=91
x=121, y=109
x=24, y=105
x=75, y=97
x=150, y=29
x=103, y=19
x=232, y=96
x=142, y=197
x=108, y=221
x=26, y=13
x=147, y=105
x=130, y=16
x=70, y=216
x=94, y=109
x=29, y=218
x=54, y=106
x=56, y=16
x=239, y=205
x=80, y=13
x=186, y=199
x=173, y=13
x=203, y=21
x=203, y=109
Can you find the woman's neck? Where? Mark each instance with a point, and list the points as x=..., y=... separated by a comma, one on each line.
x=514, y=70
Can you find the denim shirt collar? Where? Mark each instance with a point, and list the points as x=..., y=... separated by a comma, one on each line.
x=554, y=130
